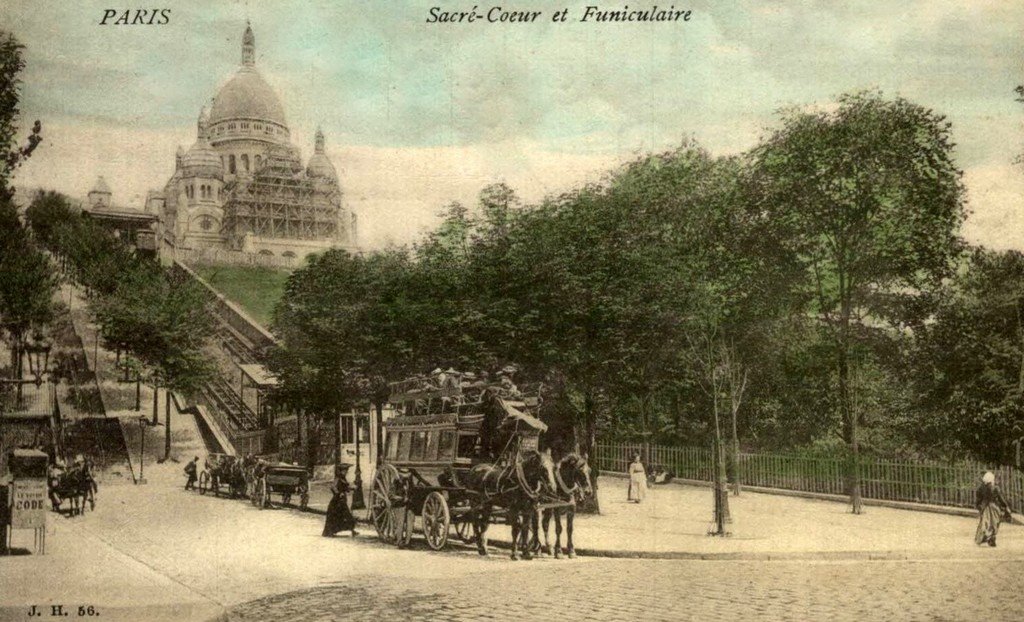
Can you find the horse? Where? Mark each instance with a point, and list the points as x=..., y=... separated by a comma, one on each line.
x=75, y=484
x=574, y=486
x=515, y=487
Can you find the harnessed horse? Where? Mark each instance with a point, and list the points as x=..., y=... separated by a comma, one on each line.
x=75, y=484
x=574, y=486
x=517, y=487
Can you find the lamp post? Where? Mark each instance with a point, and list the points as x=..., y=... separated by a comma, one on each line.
x=358, y=503
x=38, y=354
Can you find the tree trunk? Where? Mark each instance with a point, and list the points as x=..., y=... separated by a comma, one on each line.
x=337, y=441
x=591, y=506
x=312, y=440
x=379, y=432
x=734, y=408
x=156, y=401
x=721, y=498
x=167, y=424
x=849, y=416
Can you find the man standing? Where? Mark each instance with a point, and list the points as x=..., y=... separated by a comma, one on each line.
x=190, y=470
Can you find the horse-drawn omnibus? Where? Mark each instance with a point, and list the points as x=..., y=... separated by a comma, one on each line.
x=462, y=452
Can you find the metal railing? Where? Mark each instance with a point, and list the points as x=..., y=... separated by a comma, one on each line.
x=917, y=481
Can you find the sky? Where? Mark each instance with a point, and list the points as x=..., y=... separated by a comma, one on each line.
x=417, y=114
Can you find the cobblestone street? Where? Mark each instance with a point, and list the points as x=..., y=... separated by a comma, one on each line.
x=156, y=552
x=671, y=590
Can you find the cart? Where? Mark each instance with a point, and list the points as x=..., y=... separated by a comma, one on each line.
x=449, y=423
x=286, y=480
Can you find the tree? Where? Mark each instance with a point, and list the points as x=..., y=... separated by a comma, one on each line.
x=11, y=156
x=872, y=202
x=968, y=364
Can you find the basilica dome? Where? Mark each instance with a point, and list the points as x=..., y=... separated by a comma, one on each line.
x=201, y=159
x=247, y=96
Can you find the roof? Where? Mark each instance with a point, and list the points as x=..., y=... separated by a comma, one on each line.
x=247, y=96
x=259, y=375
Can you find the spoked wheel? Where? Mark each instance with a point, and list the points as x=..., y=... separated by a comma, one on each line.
x=436, y=520
x=92, y=500
x=303, y=496
x=204, y=482
x=380, y=503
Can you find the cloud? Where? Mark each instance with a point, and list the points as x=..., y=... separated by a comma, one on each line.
x=541, y=106
x=996, y=200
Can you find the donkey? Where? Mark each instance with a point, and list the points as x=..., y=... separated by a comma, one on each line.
x=515, y=488
x=574, y=486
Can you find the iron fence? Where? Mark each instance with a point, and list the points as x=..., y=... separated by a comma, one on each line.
x=918, y=481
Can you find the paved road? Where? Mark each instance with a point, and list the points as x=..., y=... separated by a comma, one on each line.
x=671, y=590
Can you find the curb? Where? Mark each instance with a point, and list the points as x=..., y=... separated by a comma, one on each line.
x=820, y=496
x=760, y=556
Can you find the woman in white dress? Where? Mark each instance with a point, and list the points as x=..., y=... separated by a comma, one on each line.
x=637, y=480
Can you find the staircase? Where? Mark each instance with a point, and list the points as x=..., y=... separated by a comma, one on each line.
x=225, y=400
x=101, y=440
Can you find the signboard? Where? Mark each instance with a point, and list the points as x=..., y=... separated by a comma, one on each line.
x=529, y=443
x=28, y=507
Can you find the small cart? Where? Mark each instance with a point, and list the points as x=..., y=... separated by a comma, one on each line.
x=284, y=479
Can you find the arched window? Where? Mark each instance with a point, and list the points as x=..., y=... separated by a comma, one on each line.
x=222, y=161
x=259, y=160
x=245, y=162
x=288, y=254
x=266, y=252
x=231, y=164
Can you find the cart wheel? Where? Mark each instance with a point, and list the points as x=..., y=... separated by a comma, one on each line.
x=303, y=497
x=286, y=498
x=380, y=503
x=92, y=500
x=264, y=494
x=464, y=529
x=204, y=482
x=436, y=520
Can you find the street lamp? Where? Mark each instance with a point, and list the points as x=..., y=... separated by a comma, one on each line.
x=358, y=503
x=38, y=359
x=38, y=352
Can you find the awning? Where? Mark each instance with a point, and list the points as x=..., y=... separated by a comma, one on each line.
x=259, y=375
x=514, y=413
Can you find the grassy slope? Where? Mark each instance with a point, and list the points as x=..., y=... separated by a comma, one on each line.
x=254, y=289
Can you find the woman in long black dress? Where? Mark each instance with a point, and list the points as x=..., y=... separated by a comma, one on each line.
x=339, y=517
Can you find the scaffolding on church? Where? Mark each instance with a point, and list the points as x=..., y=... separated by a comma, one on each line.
x=279, y=201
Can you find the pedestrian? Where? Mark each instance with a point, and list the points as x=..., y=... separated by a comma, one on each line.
x=993, y=508
x=339, y=517
x=190, y=470
x=637, y=480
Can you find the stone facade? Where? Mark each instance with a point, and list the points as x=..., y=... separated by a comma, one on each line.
x=242, y=187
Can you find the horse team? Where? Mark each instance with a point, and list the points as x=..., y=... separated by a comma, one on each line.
x=75, y=484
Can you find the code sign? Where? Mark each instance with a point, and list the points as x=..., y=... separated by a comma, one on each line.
x=28, y=510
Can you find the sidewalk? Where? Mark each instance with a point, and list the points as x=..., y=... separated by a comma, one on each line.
x=673, y=522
